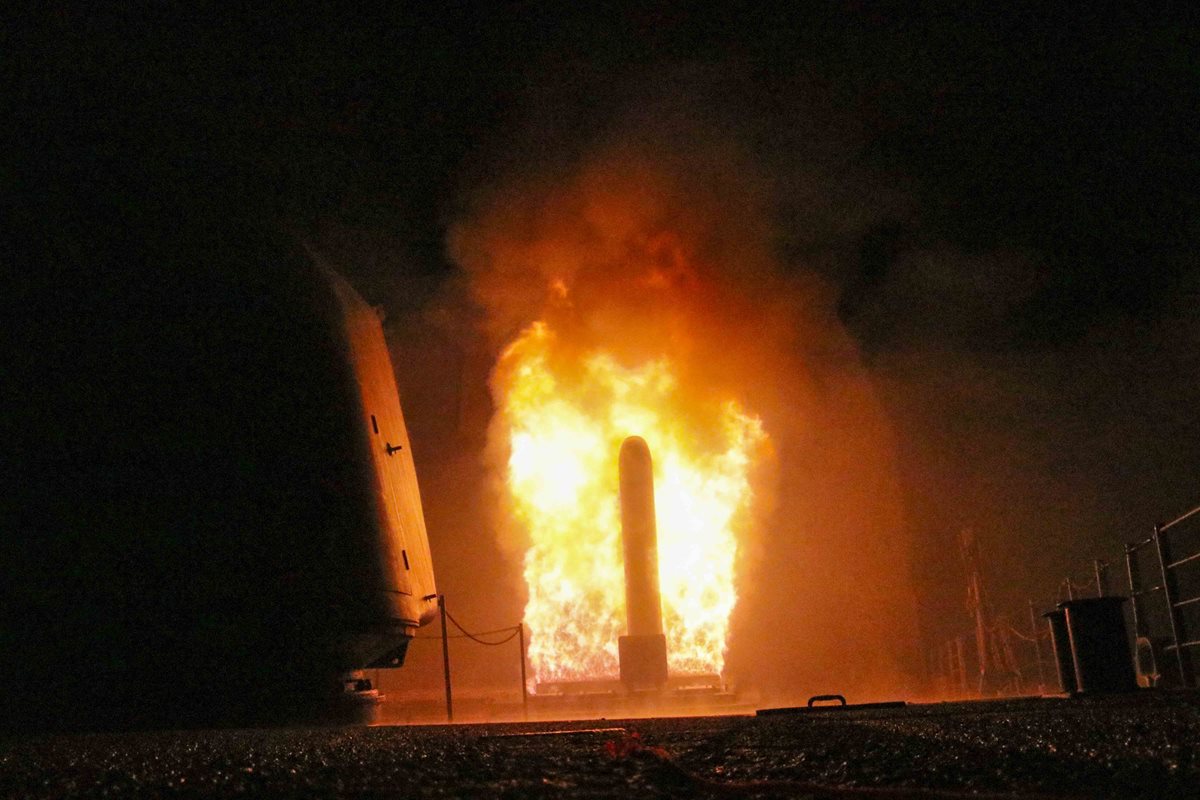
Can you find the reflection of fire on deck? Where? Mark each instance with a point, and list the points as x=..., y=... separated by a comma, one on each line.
x=679, y=684
x=680, y=695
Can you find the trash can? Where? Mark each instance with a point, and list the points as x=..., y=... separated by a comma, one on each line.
x=1061, y=645
x=1100, y=644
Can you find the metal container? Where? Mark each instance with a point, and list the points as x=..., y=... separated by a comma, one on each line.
x=1061, y=644
x=1100, y=644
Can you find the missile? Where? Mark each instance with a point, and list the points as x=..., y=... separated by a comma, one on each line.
x=639, y=539
x=643, y=652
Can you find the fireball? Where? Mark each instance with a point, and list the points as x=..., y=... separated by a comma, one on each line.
x=565, y=411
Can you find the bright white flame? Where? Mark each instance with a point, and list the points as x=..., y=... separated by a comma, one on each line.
x=565, y=430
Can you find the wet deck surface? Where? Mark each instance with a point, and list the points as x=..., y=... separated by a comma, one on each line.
x=1140, y=746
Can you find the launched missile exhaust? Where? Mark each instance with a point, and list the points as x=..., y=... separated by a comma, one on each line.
x=564, y=417
x=643, y=651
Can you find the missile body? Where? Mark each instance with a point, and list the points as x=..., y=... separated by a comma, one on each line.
x=639, y=539
x=643, y=652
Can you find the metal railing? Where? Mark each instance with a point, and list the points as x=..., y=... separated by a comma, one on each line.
x=1013, y=664
x=1170, y=565
x=1094, y=584
x=507, y=634
x=1176, y=640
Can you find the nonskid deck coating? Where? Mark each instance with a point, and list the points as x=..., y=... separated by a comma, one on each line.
x=1133, y=746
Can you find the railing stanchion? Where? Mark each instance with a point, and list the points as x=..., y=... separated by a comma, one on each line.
x=1171, y=595
x=524, y=682
x=1135, y=590
x=446, y=659
x=1037, y=648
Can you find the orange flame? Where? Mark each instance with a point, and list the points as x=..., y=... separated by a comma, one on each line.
x=565, y=415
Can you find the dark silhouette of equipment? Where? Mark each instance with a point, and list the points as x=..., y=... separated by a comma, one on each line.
x=1091, y=646
x=217, y=519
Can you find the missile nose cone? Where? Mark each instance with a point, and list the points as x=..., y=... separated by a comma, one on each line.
x=636, y=472
x=634, y=452
x=635, y=442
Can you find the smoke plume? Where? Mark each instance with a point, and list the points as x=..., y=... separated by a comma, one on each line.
x=662, y=232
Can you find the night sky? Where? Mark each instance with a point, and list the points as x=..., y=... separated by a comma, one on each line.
x=1005, y=202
